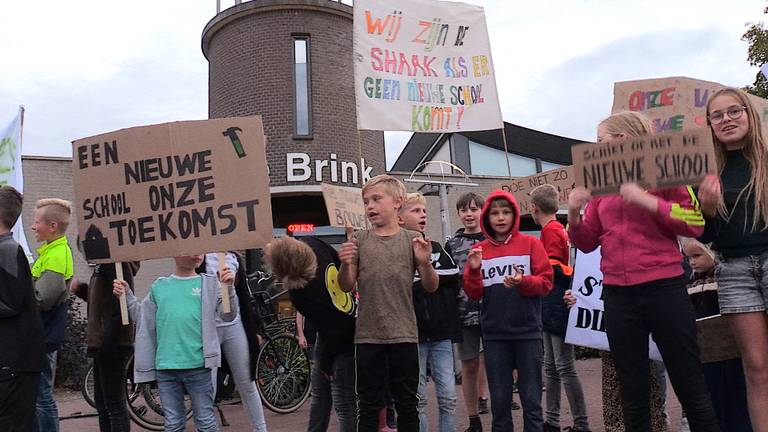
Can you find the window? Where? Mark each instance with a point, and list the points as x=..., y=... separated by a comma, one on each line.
x=301, y=92
x=546, y=166
x=485, y=160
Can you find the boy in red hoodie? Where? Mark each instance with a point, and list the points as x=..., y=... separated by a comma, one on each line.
x=510, y=272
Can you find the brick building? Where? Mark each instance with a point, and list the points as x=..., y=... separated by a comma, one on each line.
x=290, y=61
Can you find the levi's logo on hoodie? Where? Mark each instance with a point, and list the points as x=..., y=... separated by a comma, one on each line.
x=494, y=270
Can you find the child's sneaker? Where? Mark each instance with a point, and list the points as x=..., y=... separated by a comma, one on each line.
x=514, y=387
x=515, y=406
x=482, y=405
x=575, y=429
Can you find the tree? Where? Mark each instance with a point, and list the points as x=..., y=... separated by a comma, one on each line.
x=757, y=55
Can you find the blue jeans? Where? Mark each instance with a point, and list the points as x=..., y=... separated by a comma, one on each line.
x=47, y=414
x=171, y=385
x=439, y=357
x=501, y=357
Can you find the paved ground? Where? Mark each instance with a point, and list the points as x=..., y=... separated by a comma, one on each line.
x=71, y=403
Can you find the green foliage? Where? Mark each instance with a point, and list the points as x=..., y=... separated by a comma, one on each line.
x=757, y=55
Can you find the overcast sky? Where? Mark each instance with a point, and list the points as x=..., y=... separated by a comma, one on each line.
x=85, y=67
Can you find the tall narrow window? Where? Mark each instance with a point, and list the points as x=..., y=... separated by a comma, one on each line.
x=301, y=93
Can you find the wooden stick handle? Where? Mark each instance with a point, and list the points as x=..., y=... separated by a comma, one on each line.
x=222, y=258
x=123, y=301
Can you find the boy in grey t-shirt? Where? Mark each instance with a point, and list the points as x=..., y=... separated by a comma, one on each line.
x=381, y=263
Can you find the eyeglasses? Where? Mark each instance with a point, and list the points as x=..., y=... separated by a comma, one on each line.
x=734, y=112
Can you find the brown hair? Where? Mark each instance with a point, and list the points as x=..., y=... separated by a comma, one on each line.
x=56, y=210
x=467, y=199
x=292, y=262
x=11, y=202
x=755, y=150
x=630, y=123
x=545, y=197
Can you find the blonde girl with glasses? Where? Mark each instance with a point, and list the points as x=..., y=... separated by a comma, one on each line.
x=735, y=206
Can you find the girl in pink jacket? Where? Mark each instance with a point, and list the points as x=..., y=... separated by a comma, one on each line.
x=644, y=289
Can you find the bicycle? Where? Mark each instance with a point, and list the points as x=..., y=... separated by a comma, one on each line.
x=282, y=366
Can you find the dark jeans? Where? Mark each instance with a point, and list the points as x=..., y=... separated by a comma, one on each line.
x=501, y=358
x=18, y=394
x=109, y=382
x=662, y=309
x=393, y=367
x=728, y=388
x=338, y=392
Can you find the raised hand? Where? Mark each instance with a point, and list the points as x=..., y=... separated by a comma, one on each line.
x=348, y=252
x=578, y=197
x=422, y=250
x=710, y=195
x=475, y=258
x=513, y=281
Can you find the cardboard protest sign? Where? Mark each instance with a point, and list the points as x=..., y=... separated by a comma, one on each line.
x=561, y=178
x=172, y=189
x=653, y=161
x=423, y=66
x=586, y=320
x=716, y=340
x=674, y=103
x=345, y=206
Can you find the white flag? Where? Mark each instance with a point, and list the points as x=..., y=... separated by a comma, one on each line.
x=10, y=169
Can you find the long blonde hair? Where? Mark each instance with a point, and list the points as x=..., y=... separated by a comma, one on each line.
x=755, y=150
x=630, y=123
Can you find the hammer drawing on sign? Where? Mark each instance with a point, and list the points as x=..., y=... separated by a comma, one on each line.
x=232, y=134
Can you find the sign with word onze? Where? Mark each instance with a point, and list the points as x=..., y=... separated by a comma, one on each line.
x=652, y=161
x=172, y=189
x=672, y=104
x=423, y=66
x=345, y=206
x=586, y=320
x=561, y=178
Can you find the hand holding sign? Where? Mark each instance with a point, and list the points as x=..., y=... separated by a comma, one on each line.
x=119, y=287
x=226, y=277
x=475, y=258
x=578, y=198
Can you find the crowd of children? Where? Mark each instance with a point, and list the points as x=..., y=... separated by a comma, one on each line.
x=500, y=295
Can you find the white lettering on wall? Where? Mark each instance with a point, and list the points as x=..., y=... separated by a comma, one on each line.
x=299, y=169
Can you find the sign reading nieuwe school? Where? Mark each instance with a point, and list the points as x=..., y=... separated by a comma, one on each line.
x=172, y=189
x=653, y=161
x=423, y=66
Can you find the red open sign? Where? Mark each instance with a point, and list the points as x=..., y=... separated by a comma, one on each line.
x=301, y=228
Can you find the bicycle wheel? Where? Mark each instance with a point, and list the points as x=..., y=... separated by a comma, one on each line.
x=282, y=374
x=87, y=387
x=144, y=406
